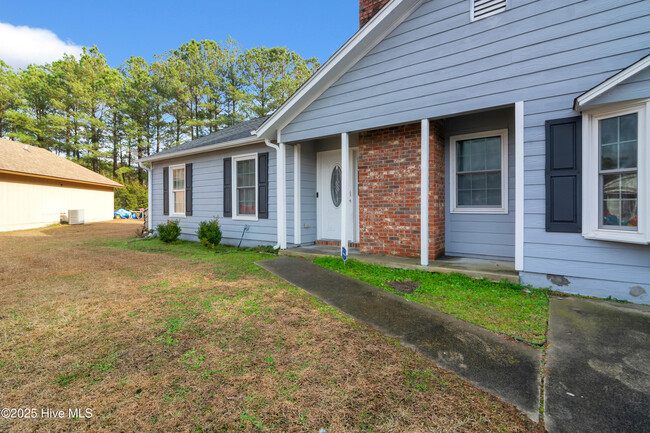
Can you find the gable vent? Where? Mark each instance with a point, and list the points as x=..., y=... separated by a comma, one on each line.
x=485, y=8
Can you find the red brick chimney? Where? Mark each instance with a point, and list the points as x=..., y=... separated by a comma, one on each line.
x=368, y=9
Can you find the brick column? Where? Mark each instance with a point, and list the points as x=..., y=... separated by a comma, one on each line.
x=389, y=191
x=436, y=189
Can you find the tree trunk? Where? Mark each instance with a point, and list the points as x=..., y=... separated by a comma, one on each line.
x=139, y=157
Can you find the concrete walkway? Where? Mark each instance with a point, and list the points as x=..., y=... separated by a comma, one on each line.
x=507, y=369
x=598, y=367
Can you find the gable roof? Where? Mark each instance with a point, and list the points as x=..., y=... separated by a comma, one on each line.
x=368, y=36
x=22, y=159
x=611, y=82
x=236, y=135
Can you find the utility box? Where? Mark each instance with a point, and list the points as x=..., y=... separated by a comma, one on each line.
x=75, y=216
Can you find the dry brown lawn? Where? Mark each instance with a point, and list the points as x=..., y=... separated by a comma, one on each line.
x=203, y=342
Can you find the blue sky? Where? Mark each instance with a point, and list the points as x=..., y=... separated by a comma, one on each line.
x=144, y=28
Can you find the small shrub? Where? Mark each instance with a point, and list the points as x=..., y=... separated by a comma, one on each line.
x=209, y=232
x=169, y=231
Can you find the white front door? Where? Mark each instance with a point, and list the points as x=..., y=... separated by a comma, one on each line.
x=330, y=195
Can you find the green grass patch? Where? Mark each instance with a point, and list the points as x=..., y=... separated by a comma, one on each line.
x=512, y=309
x=233, y=263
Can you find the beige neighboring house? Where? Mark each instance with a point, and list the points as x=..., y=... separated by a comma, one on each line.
x=38, y=188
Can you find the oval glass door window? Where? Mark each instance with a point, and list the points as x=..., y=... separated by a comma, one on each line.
x=335, y=186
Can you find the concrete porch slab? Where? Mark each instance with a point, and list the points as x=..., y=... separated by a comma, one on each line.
x=494, y=270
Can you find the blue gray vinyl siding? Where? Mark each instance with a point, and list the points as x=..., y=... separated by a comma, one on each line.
x=290, y=198
x=438, y=64
x=308, y=194
x=208, y=197
x=635, y=87
x=481, y=235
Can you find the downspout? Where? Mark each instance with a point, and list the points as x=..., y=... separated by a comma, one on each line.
x=149, y=197
x=281, y=186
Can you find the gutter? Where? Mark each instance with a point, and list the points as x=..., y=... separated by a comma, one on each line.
x=149, y=197
x=61, y=179
x=202, y=149
x=280, y=173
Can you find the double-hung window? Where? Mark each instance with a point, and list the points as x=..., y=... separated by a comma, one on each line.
x=616, y=194
x=479, y=172
x=177, y=190
x=245, y=187
x=618, y=174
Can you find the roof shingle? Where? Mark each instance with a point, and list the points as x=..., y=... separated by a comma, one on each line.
x=30, y=160
x=232, y=133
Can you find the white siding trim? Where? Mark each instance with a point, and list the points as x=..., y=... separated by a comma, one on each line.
x=519, y=186
x=611, y=82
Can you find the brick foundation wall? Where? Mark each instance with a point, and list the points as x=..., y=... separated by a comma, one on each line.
x=368, y=9
x=389, y=191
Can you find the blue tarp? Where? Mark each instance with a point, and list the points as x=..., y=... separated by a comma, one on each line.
x=122, y=213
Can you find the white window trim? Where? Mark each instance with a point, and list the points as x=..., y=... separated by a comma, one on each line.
x=590, y=163
x=453, y=191
x=172, y=203
x=235, y=204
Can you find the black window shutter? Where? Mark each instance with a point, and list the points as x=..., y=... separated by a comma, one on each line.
x=188, y=189
x=563, y=175
x=263, y=185
x=165, y=190
x=227, y=187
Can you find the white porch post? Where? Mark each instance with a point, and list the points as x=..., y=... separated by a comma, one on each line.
x=345, y=164
x=297, y=220
x=519, y=186
x=424, y=194
x=282, y=194
x=280, y=179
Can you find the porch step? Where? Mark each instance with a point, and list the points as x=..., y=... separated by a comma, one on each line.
x=333, y=243
x=492, y=270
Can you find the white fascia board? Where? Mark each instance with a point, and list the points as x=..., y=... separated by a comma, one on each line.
x=610, y=83
x=202, y=149
x=388, y=18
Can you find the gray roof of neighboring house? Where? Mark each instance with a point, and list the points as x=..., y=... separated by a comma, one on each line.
x=236, y=132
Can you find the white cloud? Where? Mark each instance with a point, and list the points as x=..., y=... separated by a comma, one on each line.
x=22, y=45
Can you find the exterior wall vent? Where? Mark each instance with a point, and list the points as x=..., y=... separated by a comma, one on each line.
x=75, y=216
x=484, y=8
